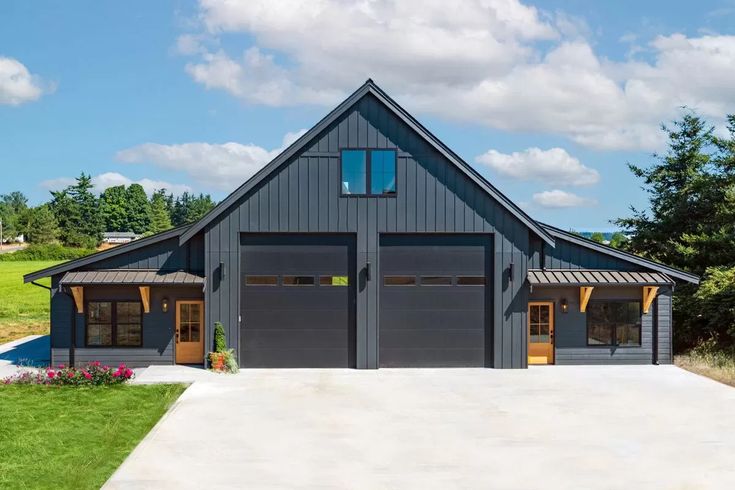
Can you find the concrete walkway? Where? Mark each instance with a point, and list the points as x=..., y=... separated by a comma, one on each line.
x=548, y=427
x=30, y=351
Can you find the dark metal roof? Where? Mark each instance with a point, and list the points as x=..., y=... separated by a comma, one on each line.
x=131, y=277
x=368, y=87
x=633, y=259
x=106, y=254
x=588, y=277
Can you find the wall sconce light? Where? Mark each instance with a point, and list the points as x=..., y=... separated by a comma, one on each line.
x=222, y=270
x=164, y=305
x=564, y=306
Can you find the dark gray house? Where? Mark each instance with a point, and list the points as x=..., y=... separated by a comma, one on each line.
x=367, y=243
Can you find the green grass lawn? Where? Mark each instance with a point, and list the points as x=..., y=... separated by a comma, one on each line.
x=65, y=437
x=24, y=308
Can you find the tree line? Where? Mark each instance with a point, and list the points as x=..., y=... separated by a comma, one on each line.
x=690, y=225
x=77, y=217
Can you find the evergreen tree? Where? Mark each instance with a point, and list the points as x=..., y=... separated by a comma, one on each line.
x=160, y=217
x=618, y=240
x=691, y=226
x=198, y=207
x=77, y=211
x=43, y=226
x=138, y=209
x=13, y=211
x=114, y=208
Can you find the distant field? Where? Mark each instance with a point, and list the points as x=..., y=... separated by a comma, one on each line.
x=24, y=308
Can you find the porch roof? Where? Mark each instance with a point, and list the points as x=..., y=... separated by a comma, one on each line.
x=131, y=277
x=589, y=277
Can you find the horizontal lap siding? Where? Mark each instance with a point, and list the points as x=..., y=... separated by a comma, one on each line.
x=664, y=321
x=433, y=196
x=570, y=329
x=158, y=327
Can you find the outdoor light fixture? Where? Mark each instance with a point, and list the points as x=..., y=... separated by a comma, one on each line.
x=164, y=305
x=564, y=305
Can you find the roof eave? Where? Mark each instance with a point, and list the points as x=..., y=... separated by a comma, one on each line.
x=105, y=254
x=368, y=87
x=635, y=259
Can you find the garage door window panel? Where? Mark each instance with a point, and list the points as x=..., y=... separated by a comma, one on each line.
x=298, y=280
x=436, y=280
x=399, y=280
x=251, y=280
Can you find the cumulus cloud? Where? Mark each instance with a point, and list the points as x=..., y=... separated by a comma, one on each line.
x=553, y=166
x=17, y=84
x=561, y=199
x=221, y=166
x=111, y=179
x=496, y=62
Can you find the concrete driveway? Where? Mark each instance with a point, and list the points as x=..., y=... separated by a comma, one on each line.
x=548, y=427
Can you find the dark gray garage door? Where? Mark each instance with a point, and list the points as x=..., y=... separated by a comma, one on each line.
x=297, y=301
x=434, y=300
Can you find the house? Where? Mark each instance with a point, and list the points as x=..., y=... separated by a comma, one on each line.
x=367, y=243
x=117, y=237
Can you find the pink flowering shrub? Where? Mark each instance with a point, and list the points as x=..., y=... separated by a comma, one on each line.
x=93, y=374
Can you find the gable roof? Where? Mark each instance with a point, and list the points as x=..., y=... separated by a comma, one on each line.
x=619, y=254
x=105, y=254
x=369, y=87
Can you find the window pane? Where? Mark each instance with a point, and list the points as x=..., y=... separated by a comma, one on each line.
x=99, y=334
x=354, y=172
x=261, y=280
x=628, y=335
x=544, y=314
x=535, y=312
x=100, y=312
x=383, y=172
x=436, y=280
x=194, y=329
x=599, y=334
x=544, y=332
x=298, y=280
x=470, y=280
x=184, y=332
x=128, y=334
x=399, y=280
x=129, y=312
x=333, y=281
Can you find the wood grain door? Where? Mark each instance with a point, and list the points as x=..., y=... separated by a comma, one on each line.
x=189, y=332
x=541, y=333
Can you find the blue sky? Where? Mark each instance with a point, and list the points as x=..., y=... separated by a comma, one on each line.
x=547, y=99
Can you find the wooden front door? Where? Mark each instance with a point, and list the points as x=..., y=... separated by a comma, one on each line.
x=189, y=332
x=541, y=333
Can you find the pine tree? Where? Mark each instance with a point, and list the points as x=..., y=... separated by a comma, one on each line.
x=43, y=226
x=138, y=209
x=114, y=208
x=160, y=219
x=77, y=211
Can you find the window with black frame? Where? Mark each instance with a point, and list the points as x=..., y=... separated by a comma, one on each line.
x=614, y=323
x=368, y=172
x=114, y=324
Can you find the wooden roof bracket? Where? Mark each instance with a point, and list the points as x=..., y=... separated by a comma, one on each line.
x=78, y=293
x=145, y=297
x=649, y=294
x=584, y=297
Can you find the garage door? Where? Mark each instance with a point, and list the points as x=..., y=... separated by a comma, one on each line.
x=297, y=301
x=434, y=300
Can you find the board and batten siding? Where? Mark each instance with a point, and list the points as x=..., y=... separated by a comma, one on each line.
x=433, y=196
x=567, y=255
x=166, y=255
x=664, y=320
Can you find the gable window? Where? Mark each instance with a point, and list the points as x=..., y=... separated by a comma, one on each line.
x=368, y=172
x=114, y=324
x=614, y=323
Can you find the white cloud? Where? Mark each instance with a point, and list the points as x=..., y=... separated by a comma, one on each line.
x=553, y=166
x=111, y=179
x=496, y=62
x=561, y=199
x=221, y=166
x=17, y=84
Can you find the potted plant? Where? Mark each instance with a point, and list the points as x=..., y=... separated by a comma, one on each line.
x=222, y=360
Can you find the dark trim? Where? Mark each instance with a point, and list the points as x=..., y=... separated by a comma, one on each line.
x=113, y=320
x=368, y=173
x=619, y=254
x=613, y=338
x=105, y=254
x=369, y=87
